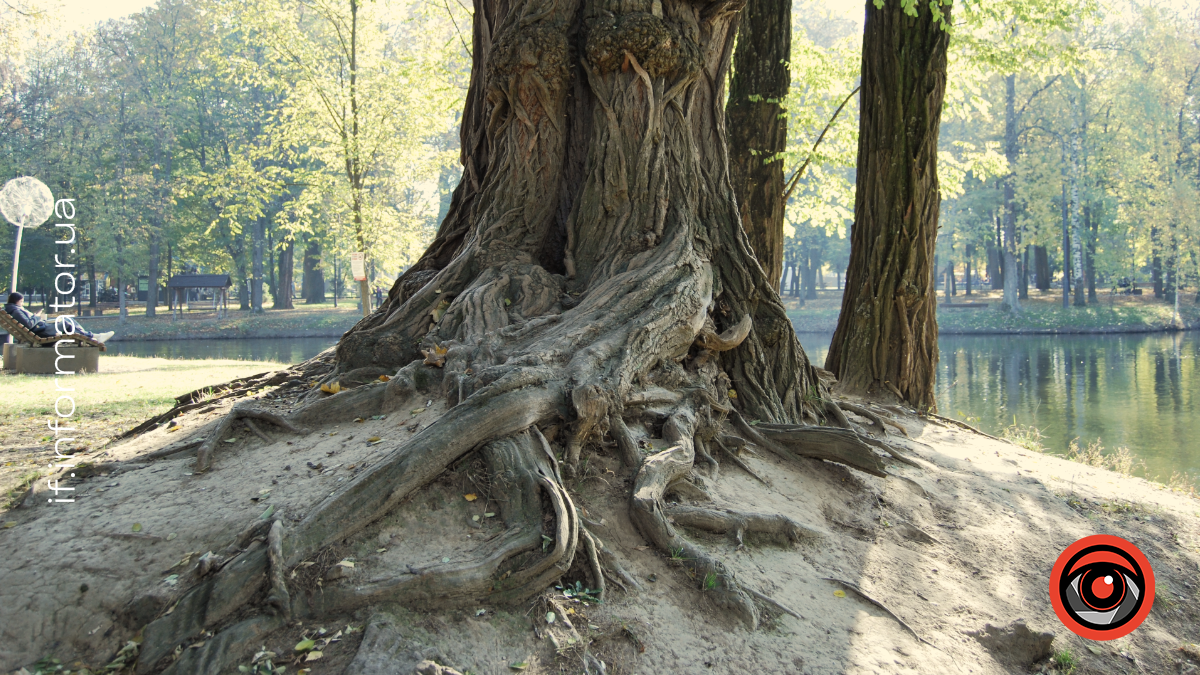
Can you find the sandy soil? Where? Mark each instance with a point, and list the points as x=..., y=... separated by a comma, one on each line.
x=965, y=541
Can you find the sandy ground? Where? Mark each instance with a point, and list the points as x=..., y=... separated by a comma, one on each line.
x=965, y=541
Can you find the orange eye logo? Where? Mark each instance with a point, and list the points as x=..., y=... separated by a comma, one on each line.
x=1102, y=587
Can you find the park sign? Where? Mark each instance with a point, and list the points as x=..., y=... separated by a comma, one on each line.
x=24, y=202
x=358, y=266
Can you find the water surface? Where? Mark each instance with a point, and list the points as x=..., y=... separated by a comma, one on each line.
x=1139, y=390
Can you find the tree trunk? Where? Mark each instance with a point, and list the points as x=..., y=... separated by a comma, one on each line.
x=757, y=126
x=314, y=279
x=152, y=282
x=1024, y=294
x=1041, y=268
x=1077, y=270
x=886, y=337
x=256, y=269
x=1090, y=253
x=1156, y=267
x=1011, y=150
x=287, y=264
x=272, y=278
x=812, y=260
x=967, y=275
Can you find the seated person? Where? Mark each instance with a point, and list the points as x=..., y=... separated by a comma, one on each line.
x=41, y=328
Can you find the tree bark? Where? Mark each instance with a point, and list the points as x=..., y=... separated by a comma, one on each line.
x=1077, y=269
x=967, y=275
x=886, y=338
x=757, y=126
x=152, y=282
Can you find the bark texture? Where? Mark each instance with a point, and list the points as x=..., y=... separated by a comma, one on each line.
x=886, y=338
x=758, y=126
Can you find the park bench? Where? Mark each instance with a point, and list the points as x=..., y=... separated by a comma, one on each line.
x=38, y=356
x=22, y=334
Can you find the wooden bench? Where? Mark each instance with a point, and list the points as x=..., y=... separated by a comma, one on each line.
x=22, y=334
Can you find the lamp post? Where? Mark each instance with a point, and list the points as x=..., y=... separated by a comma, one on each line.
x=24, y=202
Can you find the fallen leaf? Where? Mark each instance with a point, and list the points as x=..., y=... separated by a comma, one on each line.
x=384, y=378
x=346, y=563
x=171, y=580
x=172, y=429
x=550, y=617
x=267, y=514
x=480, y=612
x=1095, y=650
x=488, y=515
x=332, y=388
x=358, y=419
x=732, y=394
x=314, y=655
x=137, y=527
x=839, y=593
x=9, y=523
x=418, y=411
x=231, y=440
x=374, y=439
x=507, y=302
x=381, y=550
x=305, y=645
x=475, y=518
x=171, y=537
x=445, y=560
x=520, y=665
x=470, y=497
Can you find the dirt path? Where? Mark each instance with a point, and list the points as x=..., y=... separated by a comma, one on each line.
x=965, y=541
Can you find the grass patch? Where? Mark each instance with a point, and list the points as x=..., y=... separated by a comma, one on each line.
x=128, y=390
x=1064, y=662
x=305, y=320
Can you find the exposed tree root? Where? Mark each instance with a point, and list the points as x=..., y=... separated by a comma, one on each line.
x=279, y=597
x=741, y=522
x=863, y=594
x=733, y=457
x=239, y=411
x=837, y=445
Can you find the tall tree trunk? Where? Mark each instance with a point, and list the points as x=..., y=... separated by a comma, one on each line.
x=152, y=282
x=1090, y=252
x=314, y=279
x=1011, y=150
x=1077, y=272
x=967, y=276
x=812, y=260
x=1041, y=268
x=757, y=126
x=1024, y=294
x=287, y=264
x=886, y=337
x=272, y=278
x=995, y=269
x=1156, y=267
x=256, y=268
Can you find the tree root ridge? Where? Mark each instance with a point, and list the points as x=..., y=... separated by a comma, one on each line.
x=741, y=522
x=863, y=594
x=240, y=411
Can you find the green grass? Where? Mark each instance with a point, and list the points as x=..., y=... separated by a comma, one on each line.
x=127, y=391
x=1064, y=662
x=306, y=320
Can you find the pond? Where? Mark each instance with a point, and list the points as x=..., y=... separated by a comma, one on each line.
x=284, y=350
x=1136, y=390
x=1139, y=390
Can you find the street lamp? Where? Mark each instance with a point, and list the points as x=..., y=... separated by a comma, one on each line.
x=24, y=202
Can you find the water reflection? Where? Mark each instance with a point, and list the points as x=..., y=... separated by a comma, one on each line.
x=284, y=350
x=1136, y=390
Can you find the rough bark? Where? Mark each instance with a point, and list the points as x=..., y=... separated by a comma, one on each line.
x=256, y=267
x=758, y=126
x=886, y=338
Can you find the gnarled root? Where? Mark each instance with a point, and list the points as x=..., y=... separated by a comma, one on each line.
x=648, y=512
x=836, y=445
x=239, y=411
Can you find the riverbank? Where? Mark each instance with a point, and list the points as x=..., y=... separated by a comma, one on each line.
x=1041, y=314
x=304, y=321
x=941, y=565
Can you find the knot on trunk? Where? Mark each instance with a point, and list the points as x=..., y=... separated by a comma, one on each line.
x=659, y=47
x=539, y=48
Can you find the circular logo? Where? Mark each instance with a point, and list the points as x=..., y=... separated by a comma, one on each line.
x=1102, y=587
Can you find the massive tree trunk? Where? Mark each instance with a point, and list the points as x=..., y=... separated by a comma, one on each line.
x=886, y=337
x=1010, y=215
x=591, y=287
x=758, y=126
x=256, y=270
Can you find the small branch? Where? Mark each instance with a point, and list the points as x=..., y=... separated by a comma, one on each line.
x=740, y=463
x=257, y=432
x=279, y=598
x=795, y=179
x=772, y=602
